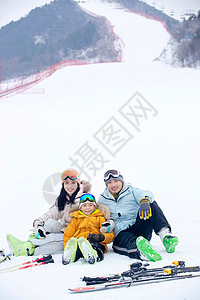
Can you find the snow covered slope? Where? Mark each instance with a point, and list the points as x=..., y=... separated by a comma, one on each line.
x=42, y=133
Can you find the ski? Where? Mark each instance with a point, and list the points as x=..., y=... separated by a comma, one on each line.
x=138, y=274
x=128, y=283
x=139, y=270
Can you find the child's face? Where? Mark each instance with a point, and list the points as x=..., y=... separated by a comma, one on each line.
x=87, y=208
x=70, y=186
x=114, y=186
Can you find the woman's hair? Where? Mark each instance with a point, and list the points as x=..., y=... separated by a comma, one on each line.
x=64, y=198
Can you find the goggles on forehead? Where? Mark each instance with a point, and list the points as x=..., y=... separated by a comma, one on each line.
x=87, y=197
x=111, y=173
x=70, y=174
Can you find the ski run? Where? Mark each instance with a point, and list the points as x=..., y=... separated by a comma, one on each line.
x=42, y=133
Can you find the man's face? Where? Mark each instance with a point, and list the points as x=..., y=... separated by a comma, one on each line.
x=114, y=186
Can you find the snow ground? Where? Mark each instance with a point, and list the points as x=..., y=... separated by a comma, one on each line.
x=39, y=132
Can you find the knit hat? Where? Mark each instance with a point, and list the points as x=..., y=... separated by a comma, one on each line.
x=71, y=174
x=113, y=175
x=87, y=198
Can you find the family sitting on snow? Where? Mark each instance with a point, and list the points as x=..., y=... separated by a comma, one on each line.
x=78, y=226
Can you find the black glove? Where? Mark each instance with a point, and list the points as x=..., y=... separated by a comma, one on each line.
x=39, y=230
x=93, y=237
x=107, y=226
x=145, y=209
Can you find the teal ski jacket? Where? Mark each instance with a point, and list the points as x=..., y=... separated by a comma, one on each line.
x=124, y=211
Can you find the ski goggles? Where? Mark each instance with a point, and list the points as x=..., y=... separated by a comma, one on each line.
x=70, y=174
x=87, y=197
x=111, y=173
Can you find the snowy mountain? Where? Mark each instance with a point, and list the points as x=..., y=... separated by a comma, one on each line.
x=62, y=32
x=44, y=130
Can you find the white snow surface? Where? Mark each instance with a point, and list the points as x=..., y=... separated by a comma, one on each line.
x=39, y=132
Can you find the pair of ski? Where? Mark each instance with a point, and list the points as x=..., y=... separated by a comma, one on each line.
x=29, y=264
x=138, y=274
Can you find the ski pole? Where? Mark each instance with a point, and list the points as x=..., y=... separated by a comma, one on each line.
x=29, y=262
x=27, y=266
x=37, y=264
x=37, y=261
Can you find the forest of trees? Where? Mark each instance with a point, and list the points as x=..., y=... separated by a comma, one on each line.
x=183, y=49
x=187, y=39
x=50, y=34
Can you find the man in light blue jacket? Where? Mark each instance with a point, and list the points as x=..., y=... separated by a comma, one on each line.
x=136, y=214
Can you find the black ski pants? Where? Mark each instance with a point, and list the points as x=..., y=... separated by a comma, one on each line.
x=125, y=241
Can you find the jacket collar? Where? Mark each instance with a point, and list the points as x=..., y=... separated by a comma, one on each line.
x=80, y=214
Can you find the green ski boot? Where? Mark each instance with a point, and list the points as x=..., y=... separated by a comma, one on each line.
x=170, y=242
x=145, y=247
x=19, y=248
x=69, y=253
x=89, y=253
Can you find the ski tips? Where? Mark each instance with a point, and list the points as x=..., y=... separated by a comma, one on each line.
x=82, y=289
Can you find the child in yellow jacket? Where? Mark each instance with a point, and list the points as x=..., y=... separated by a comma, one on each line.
x=82, y=237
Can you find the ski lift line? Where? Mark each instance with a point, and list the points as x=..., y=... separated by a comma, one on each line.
x=188, y=12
